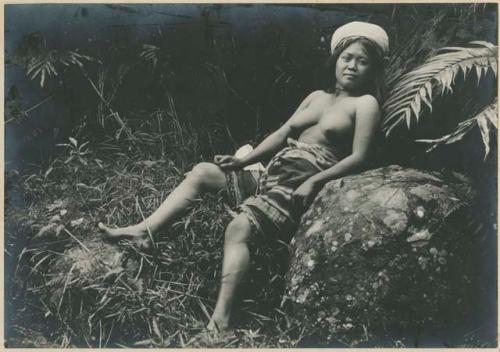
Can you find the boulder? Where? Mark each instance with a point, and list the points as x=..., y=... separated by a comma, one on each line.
x=387, y=247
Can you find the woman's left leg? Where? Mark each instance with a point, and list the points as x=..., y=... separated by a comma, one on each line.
x=205, y=177
x=234, y=266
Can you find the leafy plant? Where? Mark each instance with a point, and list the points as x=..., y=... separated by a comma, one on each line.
x=486, y=120
x=44, y=64
x=78, y=154
x=41, y=63
x=150, y=54
x=433, y=79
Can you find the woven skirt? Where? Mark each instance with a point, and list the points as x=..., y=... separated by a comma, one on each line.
x=266, y=197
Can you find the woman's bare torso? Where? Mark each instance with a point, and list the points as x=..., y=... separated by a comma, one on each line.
x=328, y=121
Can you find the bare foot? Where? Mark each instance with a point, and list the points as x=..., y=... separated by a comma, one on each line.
x=137, y=234
x=218, y=325
x=213, y=338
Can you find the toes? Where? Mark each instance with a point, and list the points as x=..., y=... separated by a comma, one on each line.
x=146, y=242
x=143, y=243
x=105, y=231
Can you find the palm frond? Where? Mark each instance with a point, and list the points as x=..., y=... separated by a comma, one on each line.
x=486, y=120
x=434, y=78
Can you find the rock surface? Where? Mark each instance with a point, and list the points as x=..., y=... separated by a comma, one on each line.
x=385, y=247
x=84, y=268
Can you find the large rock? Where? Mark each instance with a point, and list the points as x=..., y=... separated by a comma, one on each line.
x=382, y=248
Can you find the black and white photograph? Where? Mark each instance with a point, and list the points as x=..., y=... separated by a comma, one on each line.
x=250, y=175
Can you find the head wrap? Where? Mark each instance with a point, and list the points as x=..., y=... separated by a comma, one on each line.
x=361, y=29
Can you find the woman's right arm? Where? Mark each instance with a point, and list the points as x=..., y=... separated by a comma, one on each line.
x=272, y=143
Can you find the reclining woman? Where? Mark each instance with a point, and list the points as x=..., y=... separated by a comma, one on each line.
x=335, y=133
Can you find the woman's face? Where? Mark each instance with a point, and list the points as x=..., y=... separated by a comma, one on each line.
x=353, y=67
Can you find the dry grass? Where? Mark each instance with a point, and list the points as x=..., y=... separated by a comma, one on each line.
x=77, y=290
x=100, y=294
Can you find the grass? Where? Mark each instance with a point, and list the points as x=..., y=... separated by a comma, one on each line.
x=89, y=293
x=69, y=288
x=66, y=287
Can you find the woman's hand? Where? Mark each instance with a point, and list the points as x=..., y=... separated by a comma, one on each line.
x=304, y=195
x=227, y=162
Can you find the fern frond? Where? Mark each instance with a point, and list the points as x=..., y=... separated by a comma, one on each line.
x=486, y=120
x=434, y=78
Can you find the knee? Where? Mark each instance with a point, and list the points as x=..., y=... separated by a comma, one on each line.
x=238, y=230
x=205, y=175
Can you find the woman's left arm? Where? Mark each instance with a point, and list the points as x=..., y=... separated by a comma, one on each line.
x=367, y=124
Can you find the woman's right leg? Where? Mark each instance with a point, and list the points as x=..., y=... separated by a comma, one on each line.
x=205, y=177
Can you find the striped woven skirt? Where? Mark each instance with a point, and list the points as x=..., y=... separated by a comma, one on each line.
x=266, y=197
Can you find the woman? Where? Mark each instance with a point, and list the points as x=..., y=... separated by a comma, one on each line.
x=335, y=133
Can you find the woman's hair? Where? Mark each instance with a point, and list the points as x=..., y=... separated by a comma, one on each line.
x=376, y=86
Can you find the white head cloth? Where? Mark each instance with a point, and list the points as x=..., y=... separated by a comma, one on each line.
x=361, y=29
